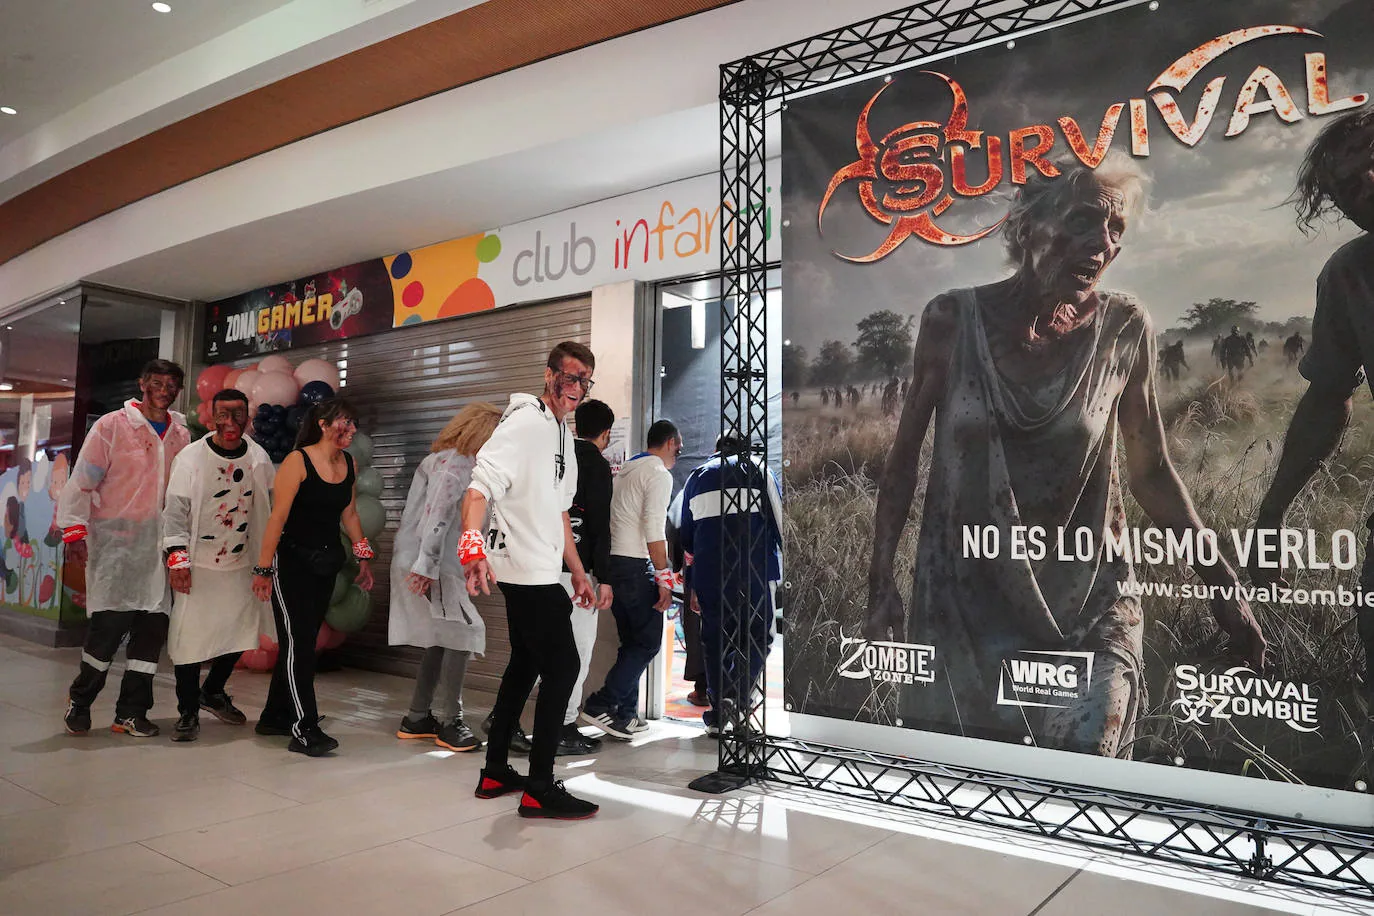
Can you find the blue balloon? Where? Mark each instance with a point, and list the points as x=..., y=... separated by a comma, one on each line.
x=314, y=392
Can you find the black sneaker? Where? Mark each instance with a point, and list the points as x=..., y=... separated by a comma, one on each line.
x=495, y=783
x=273, y=729
x=187, y=727
x=135, y=726
x=556, y=803
x=611, y=725
x=572, y=743
x=77, y=719
x=312, y=743
x=519, y=741
x=456, y=736
x=221, y=705
x=427, y=727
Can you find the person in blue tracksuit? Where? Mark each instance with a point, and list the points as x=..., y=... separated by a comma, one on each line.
x=703, y=521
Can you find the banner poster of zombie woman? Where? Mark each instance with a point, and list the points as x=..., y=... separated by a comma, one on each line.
x=1079, y=444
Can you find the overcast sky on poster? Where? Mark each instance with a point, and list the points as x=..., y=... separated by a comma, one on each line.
x=1217, y=225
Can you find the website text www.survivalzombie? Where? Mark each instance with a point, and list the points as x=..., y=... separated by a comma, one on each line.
x=1340, y=596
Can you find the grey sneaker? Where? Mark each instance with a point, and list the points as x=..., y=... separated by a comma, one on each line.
x=616, y=728
x=456, y=736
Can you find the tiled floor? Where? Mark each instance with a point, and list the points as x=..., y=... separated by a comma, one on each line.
x=233, y=824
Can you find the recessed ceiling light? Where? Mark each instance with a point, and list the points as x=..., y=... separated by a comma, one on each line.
x=6, y=386
x=5, y=109
x=163, y=7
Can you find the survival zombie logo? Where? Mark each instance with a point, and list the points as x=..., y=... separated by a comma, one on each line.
x=919, y=172
x=1239, y=694
x=886, y=662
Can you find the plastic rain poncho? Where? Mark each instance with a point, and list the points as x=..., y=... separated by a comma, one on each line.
x=427, y=544
x=116, y=490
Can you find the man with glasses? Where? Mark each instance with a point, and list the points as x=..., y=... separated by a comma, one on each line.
x=110, y=513
x=218, y=501
x=526, y=475
x=641, y=578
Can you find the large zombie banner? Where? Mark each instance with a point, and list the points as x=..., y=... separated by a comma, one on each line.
x=1077, y=436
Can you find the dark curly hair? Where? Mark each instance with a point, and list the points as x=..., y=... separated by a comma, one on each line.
x=1314, y=195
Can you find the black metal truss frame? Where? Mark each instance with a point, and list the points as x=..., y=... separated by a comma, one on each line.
x=1251, y=845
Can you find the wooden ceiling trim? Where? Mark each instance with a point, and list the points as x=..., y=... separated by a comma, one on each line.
x=482, y=41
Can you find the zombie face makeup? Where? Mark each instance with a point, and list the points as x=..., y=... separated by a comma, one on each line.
x=340, y=431
x=159, y=390
x=230, y=419
x=567, y=387
x=1068, y=254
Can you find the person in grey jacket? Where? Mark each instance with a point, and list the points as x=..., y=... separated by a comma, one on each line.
x=430, y=606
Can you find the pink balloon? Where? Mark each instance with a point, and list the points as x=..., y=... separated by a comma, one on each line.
x=275, y=363
x=276, y=388
x=258, y=660
x=210, y=381
x=203, y=413
x=231, y=380
x=246, y=380
x=266, y=643
x=318, y=370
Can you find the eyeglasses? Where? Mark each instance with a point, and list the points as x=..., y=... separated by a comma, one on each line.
x=567, y=378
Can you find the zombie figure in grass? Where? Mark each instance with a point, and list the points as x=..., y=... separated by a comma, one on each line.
x=1027, y=382
x=1336, y=178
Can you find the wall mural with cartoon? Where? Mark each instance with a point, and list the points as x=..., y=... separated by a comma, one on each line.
x=32, y=578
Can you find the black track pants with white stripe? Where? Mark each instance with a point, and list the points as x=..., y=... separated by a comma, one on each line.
x=147, y=633
x=300, y=599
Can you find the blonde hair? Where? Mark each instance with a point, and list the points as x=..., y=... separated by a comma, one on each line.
x=469, y=429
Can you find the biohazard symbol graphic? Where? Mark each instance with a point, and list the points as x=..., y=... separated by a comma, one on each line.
x=906, y=167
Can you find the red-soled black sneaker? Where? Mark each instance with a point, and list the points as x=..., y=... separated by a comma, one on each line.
x=556, y=803
x=495, y=783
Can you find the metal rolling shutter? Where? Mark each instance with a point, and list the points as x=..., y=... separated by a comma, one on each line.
x=406, y=384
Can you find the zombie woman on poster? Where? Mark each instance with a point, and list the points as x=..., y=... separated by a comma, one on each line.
x=1027, y=382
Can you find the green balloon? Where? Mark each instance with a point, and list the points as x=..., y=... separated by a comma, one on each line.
x=341, y=583
x=350, y=614
x=489, y=248
x=361, y=450
x=369, y=482
x=371, y=515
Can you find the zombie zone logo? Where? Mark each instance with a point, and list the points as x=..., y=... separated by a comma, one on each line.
x=886, y=662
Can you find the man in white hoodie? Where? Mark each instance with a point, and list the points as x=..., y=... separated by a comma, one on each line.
x=527, y=475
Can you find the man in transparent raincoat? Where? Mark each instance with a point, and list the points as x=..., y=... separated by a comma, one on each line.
x=110, y=513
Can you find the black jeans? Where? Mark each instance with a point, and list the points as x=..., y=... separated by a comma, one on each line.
x=640, y=628
x=300, y=599
x=147, y=633
x=541, y=647
x=188, y=681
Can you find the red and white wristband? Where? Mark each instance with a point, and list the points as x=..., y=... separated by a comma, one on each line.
x=666, y=578
x=73, y=534
x=471, y=547
x=362, y=550
x=180, y=558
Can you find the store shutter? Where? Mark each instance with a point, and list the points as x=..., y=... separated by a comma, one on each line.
x=406, y=384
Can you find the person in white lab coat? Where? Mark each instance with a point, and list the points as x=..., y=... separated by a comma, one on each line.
x=218, y=501
x=110, y=513
x=430, y=606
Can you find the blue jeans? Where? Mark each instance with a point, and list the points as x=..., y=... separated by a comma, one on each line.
x=640, y=628
x=722, y=674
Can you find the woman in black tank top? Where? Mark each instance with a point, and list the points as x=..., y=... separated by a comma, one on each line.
x=301, y=554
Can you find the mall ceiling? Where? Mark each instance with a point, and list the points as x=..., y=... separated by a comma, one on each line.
x=49, y=67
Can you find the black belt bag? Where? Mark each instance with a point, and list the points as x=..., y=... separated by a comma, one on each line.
x=323, y=560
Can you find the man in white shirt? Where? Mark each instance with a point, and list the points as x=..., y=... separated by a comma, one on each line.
x=527, y=474
x=641, y=579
